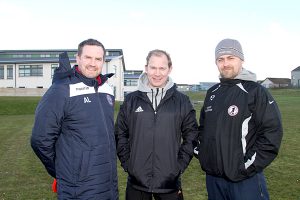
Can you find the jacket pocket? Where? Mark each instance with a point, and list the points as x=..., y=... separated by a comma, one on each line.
x=207, y=156
x=130, y=166
x=84, y=165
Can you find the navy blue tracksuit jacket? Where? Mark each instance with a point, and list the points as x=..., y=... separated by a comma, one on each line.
x=73, y=136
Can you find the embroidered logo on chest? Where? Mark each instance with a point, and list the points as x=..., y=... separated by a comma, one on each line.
x=139, y=109
x=208, y=109
x=233, y=110
x=86, y=100
x=109, y=100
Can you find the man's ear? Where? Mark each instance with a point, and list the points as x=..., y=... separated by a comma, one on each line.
x=77, y=58
x=171, y=68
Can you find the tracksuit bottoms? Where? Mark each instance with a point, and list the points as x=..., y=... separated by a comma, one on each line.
x=253, y=188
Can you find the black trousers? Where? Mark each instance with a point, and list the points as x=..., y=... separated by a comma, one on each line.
x=134, y=194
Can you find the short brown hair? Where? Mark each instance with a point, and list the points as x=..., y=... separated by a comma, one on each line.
x=91, y=42
x=158, y=52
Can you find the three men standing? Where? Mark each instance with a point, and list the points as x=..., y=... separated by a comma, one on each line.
x=239, y=135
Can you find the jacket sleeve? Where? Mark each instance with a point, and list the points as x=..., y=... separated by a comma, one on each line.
x=269, y=131
x=47, y=127
x=122, y=137
x=189, y=129
x=200, y=129
x=201, y=124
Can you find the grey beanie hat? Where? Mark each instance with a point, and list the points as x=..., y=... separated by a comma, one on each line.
x=229, y=47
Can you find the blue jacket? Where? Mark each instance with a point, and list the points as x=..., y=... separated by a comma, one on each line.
x=73, y=136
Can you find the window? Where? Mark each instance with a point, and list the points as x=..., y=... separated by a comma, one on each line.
x=113, y=53
x=45, y=55
x=17, y=56
x=130, y=82
x=53, y=68
x=1, y=72
x=10, y=72
x=30, y=70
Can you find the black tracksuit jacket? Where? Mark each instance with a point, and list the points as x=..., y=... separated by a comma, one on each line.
x=240, y=129
x=156, y=146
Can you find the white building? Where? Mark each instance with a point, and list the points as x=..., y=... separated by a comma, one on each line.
x=35, y=68
x=131, y=78
x=276, y=82
x=296, y=77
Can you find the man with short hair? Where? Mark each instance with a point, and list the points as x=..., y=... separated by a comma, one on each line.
x=240, y=130
x=73, y=133
x=155, y=130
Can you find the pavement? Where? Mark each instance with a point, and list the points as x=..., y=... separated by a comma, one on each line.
x=22, y=91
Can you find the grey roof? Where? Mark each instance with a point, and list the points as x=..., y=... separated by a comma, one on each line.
x=31, y=60
x=41, y=60
x=296, y=69
x=53, y=59
x=50, y=50
x=280, y=80
x=36, y=51
x=132, y=74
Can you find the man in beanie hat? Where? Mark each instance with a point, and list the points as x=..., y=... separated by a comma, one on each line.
x=240, y=130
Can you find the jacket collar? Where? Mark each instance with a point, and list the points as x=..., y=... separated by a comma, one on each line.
x=92, y=82
x=169, y=93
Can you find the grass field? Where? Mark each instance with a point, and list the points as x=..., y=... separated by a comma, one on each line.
x=22, y=176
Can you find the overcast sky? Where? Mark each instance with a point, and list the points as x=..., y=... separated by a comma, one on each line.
x=189, y=30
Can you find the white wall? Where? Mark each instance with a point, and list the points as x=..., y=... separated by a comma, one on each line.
x=116, y=66
x=35, y=81
x=295, y=81
x=267, y=83
x=45, y=81
x=7, y=83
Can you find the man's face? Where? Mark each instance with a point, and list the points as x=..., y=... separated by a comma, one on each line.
x=91, y=60
x=158, y=71
x=229, y=66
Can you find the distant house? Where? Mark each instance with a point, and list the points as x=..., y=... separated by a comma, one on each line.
x=131, y=78
x=195, y=88
x=276, y=83
x=295, y=74
x=206, y=85
x=183, y=87
x=202, y=86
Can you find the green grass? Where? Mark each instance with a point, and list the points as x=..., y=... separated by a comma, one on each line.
x=22, y=175
x=18, y=105
x=283, y=175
